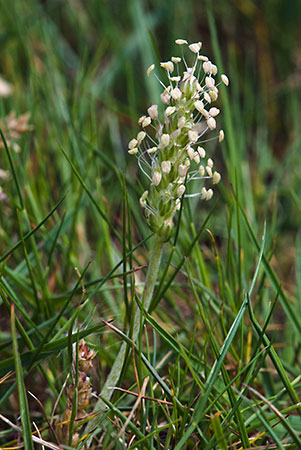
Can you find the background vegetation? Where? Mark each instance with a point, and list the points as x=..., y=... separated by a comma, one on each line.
x=220, y=355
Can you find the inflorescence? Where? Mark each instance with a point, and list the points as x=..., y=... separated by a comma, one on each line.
x=170, y=152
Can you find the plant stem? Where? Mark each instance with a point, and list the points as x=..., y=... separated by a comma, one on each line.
x=151, y=278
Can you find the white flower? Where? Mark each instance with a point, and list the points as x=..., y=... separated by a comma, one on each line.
x=213, y=94
x=225, y=79
x=206, y=195
x=192, y=136
x=209, y=82
x=153, y=111
x=209, y=171
x=168, y=66
x=176, y=93
x=201, y=171
x=214, y=69
x=140, y=136
x=196, y=157
x=211, y=122
x=196, y=47
x=190, y=152
x=207, y=66
x=141, y=119
x=214, y=112
x=221, y=136
x=150, y=69
x=210, y=162
x=181, y=41
x=165, y=97
x=207, y=97
x=176, y=59
x=133, y=143
x=201, y=152
x=133, y=151
x=209, y=194
x=199, y=105
x=216, y=178
x=152, y=150
x=146, y=122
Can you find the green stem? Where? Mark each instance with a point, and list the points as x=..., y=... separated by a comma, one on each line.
x=113, y=377
x=151, y=278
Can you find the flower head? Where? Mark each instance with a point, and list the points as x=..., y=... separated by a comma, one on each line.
x=170, y=151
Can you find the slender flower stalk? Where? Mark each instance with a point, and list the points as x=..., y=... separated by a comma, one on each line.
x=170, y=153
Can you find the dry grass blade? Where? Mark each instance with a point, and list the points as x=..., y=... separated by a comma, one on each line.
x=34, y=438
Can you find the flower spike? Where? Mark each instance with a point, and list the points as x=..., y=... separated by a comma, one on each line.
x=169, y=148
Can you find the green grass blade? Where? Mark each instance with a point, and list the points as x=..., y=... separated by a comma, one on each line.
x=275, y=359
x=85, y=187
x=25, y=417
x=30, y=233
x=12, y=167
x=274, y=280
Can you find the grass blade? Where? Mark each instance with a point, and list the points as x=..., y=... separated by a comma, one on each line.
x=25, y=418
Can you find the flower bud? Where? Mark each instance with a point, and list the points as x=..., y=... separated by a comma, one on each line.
x=142, y=199
x=181, y=122
x=181, y=189
x=166, y=166
x=170, y=110
x=156, y=178
x=182, y=170
x=164, y=141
